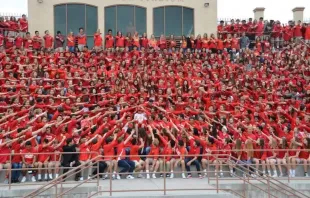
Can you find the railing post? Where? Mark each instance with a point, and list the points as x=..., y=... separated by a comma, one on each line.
x=217, y=184
x=244, y=190
x=165, y=175
x=110, y=172
x=10, y=172
x=268, y=187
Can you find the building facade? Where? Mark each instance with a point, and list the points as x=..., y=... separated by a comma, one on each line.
x=177, y=17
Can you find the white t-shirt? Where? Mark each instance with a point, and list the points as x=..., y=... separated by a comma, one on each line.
x=140, y=117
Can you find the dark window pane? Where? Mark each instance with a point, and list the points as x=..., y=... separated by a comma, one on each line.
x=188, y=21
x=159, y=21
x=76, y=17
x=141, y=20
x=91, y=20
x=125, y=19
x=90, y=42
x=110, y=19
x=60, y=19
x=173, y=17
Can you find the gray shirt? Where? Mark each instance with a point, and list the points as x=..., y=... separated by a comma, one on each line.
x=244, y=42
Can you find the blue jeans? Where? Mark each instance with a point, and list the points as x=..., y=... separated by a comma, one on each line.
x=126, y=165
x=195, y=162
x=16, y=173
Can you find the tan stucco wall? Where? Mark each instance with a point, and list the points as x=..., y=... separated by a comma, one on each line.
x=41, y=15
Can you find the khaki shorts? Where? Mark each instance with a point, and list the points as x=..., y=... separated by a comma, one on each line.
x=138, y=162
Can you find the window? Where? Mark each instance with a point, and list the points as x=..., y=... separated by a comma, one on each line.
x=176, y=20
x=125, y=18
x=71, y=17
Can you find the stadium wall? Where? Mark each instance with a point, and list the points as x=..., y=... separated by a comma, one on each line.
x=41, y=13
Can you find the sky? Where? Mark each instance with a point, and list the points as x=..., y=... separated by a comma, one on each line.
x=275, y=9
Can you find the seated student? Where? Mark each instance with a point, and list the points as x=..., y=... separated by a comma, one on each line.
x=54, y=163
x=134, y=156
x=152, y=157
x=29, y=158
x=123, y=162
x=168, y=151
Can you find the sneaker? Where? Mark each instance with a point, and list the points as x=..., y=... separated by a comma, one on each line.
x=221, y=174
x=171, y=176
x=104, y=177
x=147, y=176
x=6, y=181
x=153, y=176
x=200, y=176
x=33, y=179
x=183, y=176
x=167, y=175
x=113, y=176
x=81, y=178
x=281, y=175
x=140, y=176
x=205, y=175
x=129, y=177
x=23, y=179
x=275, y=174
x=189, y=176
x=306, y=175
x=118, y=177
x=161, y=175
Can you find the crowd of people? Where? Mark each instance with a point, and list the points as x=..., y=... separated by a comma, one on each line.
x=212, y=100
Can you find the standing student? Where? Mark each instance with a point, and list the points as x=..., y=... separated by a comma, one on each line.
x=70, y=158
x=120, y=40
x=109, y=40
x=297, y=31
x=60, y=40
x=98, y=40
x=81, y=39
x=144, y=41
x=37, y=41
x=48, y=41
x=70, y=42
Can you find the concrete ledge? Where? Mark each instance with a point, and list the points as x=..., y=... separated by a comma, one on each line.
x=298, y=9
x=259, y=9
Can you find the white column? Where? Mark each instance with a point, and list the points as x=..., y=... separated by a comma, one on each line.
x=298, y=14
x=149, y=21
x=258, y=13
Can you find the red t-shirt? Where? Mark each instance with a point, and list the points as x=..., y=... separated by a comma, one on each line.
x=48, y=41
x=97, y=40
x=29, y=155
x=109, y=41
x=4, y=158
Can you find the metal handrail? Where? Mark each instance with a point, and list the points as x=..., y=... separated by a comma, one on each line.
x=282, y=185
x=75, y=170
x=62, y=177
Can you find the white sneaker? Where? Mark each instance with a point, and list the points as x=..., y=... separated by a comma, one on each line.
x=113, y=176
x=275, y=175
x=147, y=176
x=281, y=175
x=33, y=179
x=118, y=177
x=183, y=176
x=23, y=179
x=81, y=178
x=140, y=176
x=221, y=174
x=153, y=176
x=306, y=175
x=129, y=177
x=171, y=176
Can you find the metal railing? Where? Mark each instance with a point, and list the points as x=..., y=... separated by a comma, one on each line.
x=271, y=184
